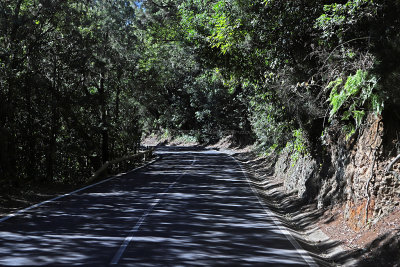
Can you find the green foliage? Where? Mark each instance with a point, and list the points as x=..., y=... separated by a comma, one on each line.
x=166, y=134
x=357, y=95
x=185, y=139
x=268, y=122
x=65, y=92
x=338, y=18
x=349, y=129
x=80, y=80
x=298, y=144
x=336, y=99
x=226, y=30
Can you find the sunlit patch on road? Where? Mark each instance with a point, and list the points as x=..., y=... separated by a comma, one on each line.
x=175, y=212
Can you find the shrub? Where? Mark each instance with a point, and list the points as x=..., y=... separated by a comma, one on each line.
x=353, y=99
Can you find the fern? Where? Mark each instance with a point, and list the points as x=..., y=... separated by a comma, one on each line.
x=353, y=98
x=299, y=146
x=358, y=116
x=335, y=98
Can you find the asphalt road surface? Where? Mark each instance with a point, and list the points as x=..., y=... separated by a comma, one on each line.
x=192, y=207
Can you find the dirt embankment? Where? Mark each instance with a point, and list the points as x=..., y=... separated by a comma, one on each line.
x=349, y=195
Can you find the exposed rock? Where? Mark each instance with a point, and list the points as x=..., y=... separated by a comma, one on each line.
x=356, y=175
x=296, y=173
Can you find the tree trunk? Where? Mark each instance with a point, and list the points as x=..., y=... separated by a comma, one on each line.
x=10, y=163
x=116, y=121
x=52, y=149
x=31, y=172
x=104, y=126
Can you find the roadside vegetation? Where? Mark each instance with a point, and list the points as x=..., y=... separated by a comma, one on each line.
x=82, y=81
x=312, y=84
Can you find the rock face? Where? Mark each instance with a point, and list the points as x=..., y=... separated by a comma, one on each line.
x=354, y=174
x=296, y=174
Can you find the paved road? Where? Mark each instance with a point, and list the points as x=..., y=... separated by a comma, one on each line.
x=190, y=208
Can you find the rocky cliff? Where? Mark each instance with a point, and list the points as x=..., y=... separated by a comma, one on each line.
x=353, y=172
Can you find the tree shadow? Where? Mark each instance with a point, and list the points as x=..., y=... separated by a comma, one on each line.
x=300, y=216
x=191, y=213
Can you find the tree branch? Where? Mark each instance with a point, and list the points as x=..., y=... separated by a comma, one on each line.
x=159, y=5
x=392, y=163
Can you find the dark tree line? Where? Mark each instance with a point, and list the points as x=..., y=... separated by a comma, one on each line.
x=82, y=81
x=66, y=72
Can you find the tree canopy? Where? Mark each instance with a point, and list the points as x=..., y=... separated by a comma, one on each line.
x=82, y=81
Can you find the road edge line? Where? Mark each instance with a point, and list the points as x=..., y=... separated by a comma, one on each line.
x=303, y=253
x=18, y=212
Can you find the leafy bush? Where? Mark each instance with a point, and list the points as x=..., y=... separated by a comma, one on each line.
x=354, y=98
x=339, y=18
x=299, y=145
x=185, y=139
x=268, y=122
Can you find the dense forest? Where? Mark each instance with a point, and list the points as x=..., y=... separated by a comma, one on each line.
x=81, y=82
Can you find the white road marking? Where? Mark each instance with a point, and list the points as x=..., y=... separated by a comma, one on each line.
x=304, y=254
x=133, y=231
x=65, y=195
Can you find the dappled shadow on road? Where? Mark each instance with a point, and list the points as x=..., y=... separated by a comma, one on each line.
x=209, y=216
x=83, y=228
x=301, y=219
x=298, y=217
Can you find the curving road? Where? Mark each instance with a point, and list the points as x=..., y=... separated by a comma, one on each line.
x=190, y=208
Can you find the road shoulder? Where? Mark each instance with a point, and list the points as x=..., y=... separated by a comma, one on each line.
x=15, y=199
x=300, y=219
